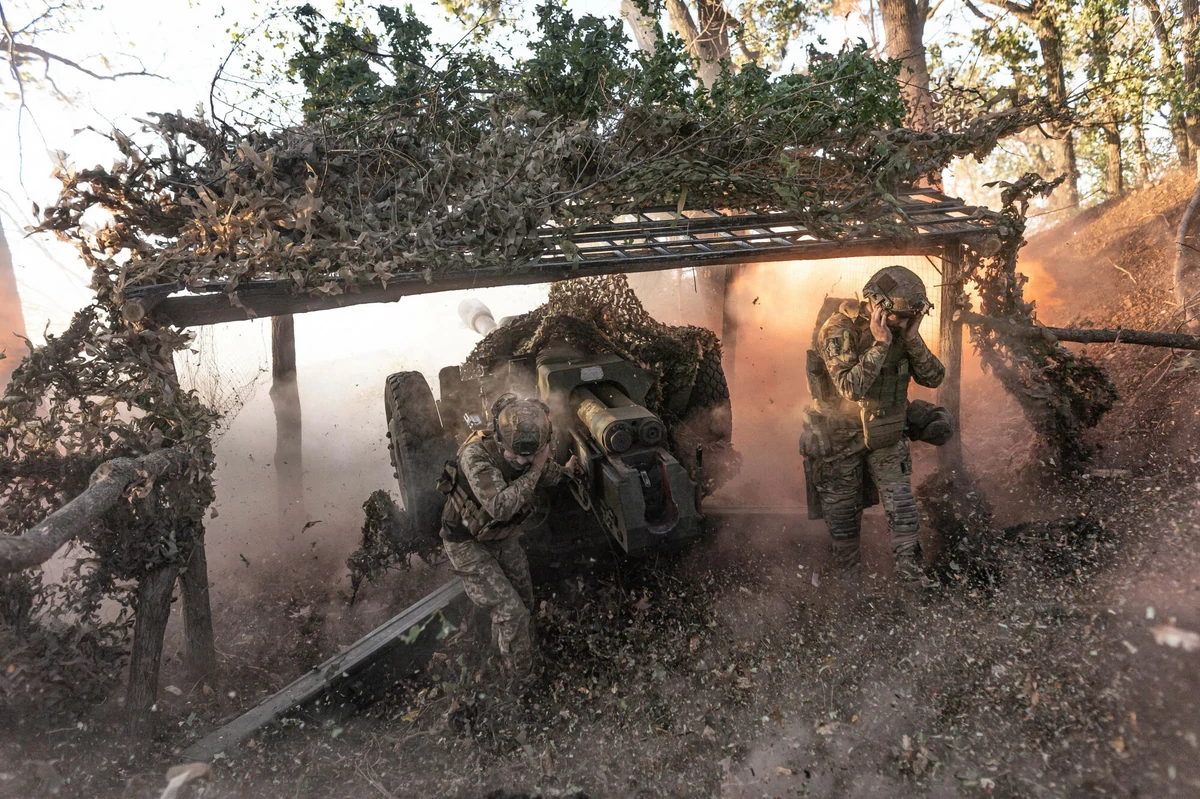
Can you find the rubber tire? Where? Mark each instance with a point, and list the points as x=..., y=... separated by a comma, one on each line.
x=711, y=388
x=419, y=447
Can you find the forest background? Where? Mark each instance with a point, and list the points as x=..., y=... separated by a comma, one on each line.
x=1123, y=72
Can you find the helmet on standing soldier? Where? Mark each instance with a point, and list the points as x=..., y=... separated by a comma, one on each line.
x=898, y=290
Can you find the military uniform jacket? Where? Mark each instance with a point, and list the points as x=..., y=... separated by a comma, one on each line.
x=505, y=492
x=855, y=362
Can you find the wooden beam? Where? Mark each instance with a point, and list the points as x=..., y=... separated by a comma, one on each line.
x=285, y=397
x=342, y=667
x=277, y=298
x=949, y=393
x=108, y=482
x=1146, y=338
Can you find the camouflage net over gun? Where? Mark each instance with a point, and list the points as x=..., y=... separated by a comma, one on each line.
x=602, y=315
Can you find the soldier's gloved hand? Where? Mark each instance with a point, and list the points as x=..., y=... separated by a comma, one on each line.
x=912, y=328
x=879, y=325
x=572, y=466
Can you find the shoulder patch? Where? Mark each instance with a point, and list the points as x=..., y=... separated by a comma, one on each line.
x=834, y=346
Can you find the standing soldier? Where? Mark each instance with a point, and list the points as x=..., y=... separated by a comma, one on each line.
x=490, y=489
x=855, y=440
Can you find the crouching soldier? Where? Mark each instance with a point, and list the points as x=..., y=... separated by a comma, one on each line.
x=490, y=489
x=856, y=435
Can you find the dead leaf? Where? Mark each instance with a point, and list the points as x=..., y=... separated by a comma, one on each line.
x=173, y=691
x=1118, y=744
x=179, y=776
x=1169, y=635
x=784, y=771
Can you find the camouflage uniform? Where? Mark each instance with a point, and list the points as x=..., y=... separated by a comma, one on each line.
x=492, y=564
x=868, y=379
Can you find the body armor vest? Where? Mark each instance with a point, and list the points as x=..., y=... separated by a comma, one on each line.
x=886, y=401
x=463, y=508
x=881, y=413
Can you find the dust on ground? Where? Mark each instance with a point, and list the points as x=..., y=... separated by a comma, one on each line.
x=741, y=669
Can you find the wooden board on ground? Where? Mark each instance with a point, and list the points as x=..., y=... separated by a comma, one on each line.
x=342, y=667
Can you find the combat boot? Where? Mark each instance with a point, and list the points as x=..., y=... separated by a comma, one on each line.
x=910, y=567
x=847, y=560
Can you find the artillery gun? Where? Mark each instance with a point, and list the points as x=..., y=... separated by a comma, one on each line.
x=641, y=482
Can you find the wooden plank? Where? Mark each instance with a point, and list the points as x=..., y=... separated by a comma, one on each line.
x=275, y=298
x=321, y=679
x=949, y=393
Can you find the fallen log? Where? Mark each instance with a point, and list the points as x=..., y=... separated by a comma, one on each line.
x=1179, y=341
x=108, y=483
x=352, y=678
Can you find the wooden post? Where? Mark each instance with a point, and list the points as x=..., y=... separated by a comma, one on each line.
x=729, y=323
x=949, y=394
x=197, y=614
x=200, y=646
x=285, y=395
x=151, y=611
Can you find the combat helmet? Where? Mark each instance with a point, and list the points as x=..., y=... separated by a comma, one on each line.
x=898, y=290
x=521, y=425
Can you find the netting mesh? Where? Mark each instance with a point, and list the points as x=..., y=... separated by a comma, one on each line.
x=602, y=315
x=224, y=365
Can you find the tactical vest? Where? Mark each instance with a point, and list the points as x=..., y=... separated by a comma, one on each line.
x=886, y=401
x=463, y=510
x=881, y=413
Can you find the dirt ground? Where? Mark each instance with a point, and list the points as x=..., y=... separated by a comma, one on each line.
x=740, y=668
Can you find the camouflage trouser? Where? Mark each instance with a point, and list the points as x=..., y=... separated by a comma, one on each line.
x=839, y=481
x=496, y=577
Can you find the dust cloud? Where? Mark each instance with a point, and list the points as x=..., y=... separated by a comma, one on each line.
x=343, y=358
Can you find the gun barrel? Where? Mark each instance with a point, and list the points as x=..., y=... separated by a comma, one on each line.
x=614, y=435
x=476, y=316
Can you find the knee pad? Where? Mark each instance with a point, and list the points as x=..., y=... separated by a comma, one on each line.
x=902, y=509
x=844, y=521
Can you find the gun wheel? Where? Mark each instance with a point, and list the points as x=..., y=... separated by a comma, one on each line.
x=419, y=447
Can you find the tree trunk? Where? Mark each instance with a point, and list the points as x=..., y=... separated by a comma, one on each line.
x=285, y=396
x=1191, y=11
x=645, y=32
x=1114, y=183
x=1186, y=280
x=1139, y=147
x=707, y=42
x=197, y=614
x=1050, y=42
x=151, y=612
x=1170, y=61
x=12, y=319
x=904, y=30
x=108, y=482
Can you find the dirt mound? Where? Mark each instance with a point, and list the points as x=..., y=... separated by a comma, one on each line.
x=1112, y=266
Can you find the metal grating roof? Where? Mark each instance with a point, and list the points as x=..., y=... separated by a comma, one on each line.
x=651, y=240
